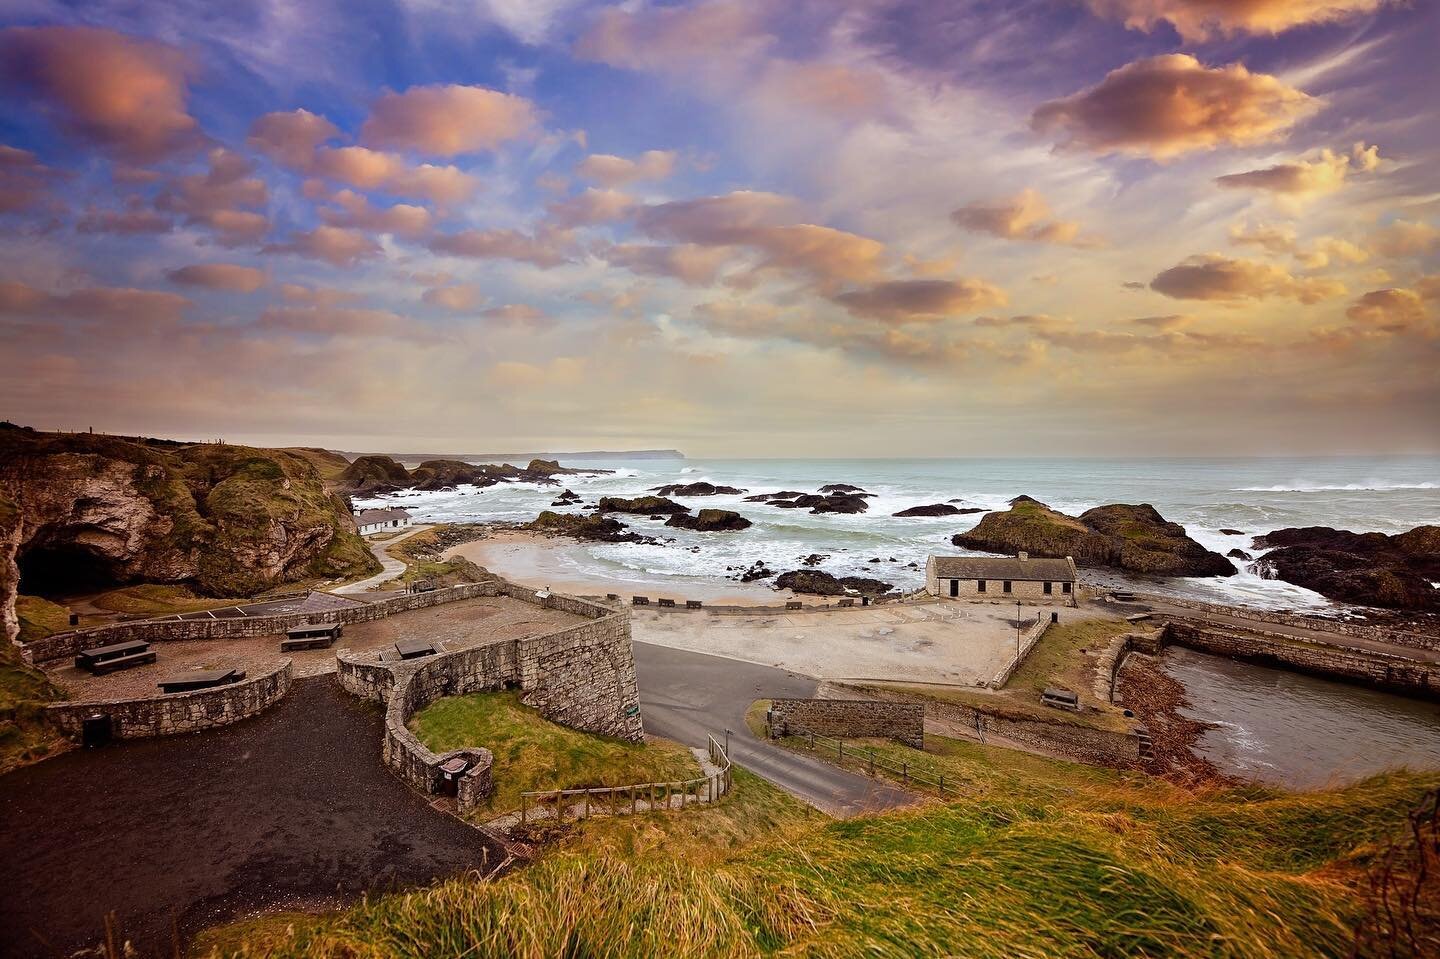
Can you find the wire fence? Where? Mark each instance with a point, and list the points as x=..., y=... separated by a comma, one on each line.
x=871, y=763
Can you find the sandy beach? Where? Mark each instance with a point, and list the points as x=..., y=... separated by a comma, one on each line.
x=564, y=566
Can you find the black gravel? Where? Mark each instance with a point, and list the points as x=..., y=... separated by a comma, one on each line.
x=291, y=809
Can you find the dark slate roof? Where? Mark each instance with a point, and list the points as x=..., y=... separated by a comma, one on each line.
x=369, y=517
x=1003, y=567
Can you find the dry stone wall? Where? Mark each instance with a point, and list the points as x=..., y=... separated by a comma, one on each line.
x=850, y=718
x=167, y=715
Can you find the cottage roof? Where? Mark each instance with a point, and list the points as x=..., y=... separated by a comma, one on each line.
x=1003, y=567
x=369, y=517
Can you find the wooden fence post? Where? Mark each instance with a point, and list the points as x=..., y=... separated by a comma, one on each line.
x=522, y=809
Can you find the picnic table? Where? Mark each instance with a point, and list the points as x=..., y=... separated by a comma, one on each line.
x=415, y=648
x=311, y=637
x=200, y=679
x=104, y=659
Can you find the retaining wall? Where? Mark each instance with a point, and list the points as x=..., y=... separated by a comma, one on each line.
x=1027, y=643
x=852, y=718
x=166, y=715
x=1383, y=634
x=64, y=645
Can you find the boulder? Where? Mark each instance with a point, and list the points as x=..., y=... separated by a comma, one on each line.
x=644, y=505
x=696, y=489
x=1240, y=554
x=1368, y=569
x=369, y=475
x=767, y=497
x=832, y=503
x=596, y=528
x=841, y=488
x=1133, y=538
x=814, y=559
x=820, y=583
x=710, y=521
x=1232, y=532
x=934, y=509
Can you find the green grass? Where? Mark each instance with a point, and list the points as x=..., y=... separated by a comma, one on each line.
x=155, y=599
x=40, y=618
x=25, y=735
x=531, y=752
x=1040, y=858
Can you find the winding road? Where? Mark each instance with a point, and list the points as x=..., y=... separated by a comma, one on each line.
x=392, y=567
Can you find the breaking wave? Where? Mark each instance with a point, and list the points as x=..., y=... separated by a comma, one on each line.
x=1372, y=487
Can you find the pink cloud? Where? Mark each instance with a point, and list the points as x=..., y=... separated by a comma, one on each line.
x=1211, y=276
x=905, y=301
x=458, y=298
x=544, y=250
x=106, y=304
x=293, y=137
x=227, y=277
x=448, y=120
x=1197, y=20
x=591, y=207
x=613, y=170
x=332, y=244
x=689, y=263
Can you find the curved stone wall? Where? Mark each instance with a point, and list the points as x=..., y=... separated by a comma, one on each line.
x=167, y=715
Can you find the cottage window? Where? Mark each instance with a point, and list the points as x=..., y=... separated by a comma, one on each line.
x=1007, y=586
x=1047, y=587
x=1065, y=587
x=979, y=586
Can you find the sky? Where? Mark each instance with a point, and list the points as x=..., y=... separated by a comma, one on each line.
x=735, y=227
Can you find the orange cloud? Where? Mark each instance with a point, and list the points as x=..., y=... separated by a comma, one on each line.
x=108, y=304
x=223, y=198
x=328, y=321
x=332, y=244
x=611, y=170
x=125, y=95
x=317, y=296
x=905, y=301
x=1211, y=276
x=448, y=120
x=1167, y=105
x=518, y=314
x=1393, y=311
x=830, y=88
x=291, y=138
x=675, y=38
x=591, y=207
x=1025, y=216
x=1404, y=238
x=355, y=212
x=689, y=263
x=1303, y=179
x=1197, y=20
x=460, y=297
x=543, y=250
x=219, y=276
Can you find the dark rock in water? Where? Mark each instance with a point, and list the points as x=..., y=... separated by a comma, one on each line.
x=710, y=520
x=873, y=559
x=831, y=503
x=841, y=488
x=640, y=504
x=1240, y=554
x=967, y=510
x=368, y=475
x=600, y=529
x=695, y=489
x=934, y=509
x=814, y=559
x=1133, y=538
x=1232, y=532
x=767, y=497
x=820, y=583
x=1369, y=569
x=757, y=571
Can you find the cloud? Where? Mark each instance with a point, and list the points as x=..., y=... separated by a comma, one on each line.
x=219, y=276
x=224, y=198
x=1404, y=238
x=1303, y=180
x=123, y=94
x=906, y=301
x=336, y=321
x=1168, y=321
x=543, y=250
x=1272, y=239
x=719, y=33
x=689, y=263
x=1211, y=276
x=355, y=212
x=459, y=298
x=100, y=303
x=291, y=138
x=333, y=244
x=24, y=180
x=591, y=207
x=834, y=89
x=1393, y=311
x=448, y=120
x=610, y=170
x=723, y=219
x=317, y=296
x=1025, y=216
x=134, y=220
x=1197, y=20
x=518, y=314
x=1168, y=105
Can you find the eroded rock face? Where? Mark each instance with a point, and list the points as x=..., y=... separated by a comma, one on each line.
x=226, y=520
x=1134, y=538
x=369, y=475
x=1369, y=569
x=9, y=571
x=710, y=521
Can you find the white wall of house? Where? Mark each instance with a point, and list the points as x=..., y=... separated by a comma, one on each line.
x=367, y=528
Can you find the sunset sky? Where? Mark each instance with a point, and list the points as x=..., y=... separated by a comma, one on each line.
x=737, y=228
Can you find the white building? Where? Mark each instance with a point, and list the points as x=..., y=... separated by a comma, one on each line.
x=381, y=520
x=1002, y=579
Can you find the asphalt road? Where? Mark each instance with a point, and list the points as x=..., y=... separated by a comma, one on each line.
x=685, y=695
x=291, y=808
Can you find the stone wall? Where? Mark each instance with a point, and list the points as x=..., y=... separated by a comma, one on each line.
x=166, y=715
x=1027, y=643
x=850, y=718
x=1382, y=634
x=1384, y=670
x=65, y=645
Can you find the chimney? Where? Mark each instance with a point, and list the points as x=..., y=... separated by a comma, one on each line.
x=1023, y=556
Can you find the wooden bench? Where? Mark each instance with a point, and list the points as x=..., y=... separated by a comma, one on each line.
x=415, y=648
x=200, y=679
x=105, y=659
x=311, y=637
x=844, y=603
x=639, y=600
x=794, y=604
x=1059, y=698
x=670, y=603
x=693, y=604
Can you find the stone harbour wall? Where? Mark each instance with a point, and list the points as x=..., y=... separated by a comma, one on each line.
x=166, y=715
x=1359, y=630
x=64, y=645
x=903, y=722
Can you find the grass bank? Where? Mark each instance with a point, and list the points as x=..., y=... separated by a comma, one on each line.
x=1039, y=858
x=25, y=735
x=531, y=752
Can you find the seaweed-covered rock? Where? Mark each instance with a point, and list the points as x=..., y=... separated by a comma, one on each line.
x=696, y=489
x=934, y=509
x=841, y=488
x=820, y=583
x=594, y=527
x=1369, y=569
x=831, y=503
x=710, y=521
x=767, y=497
x=644, y=505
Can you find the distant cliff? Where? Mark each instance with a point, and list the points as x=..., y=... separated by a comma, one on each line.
x=526, y=457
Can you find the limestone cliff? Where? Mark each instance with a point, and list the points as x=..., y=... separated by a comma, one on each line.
x=226, y=520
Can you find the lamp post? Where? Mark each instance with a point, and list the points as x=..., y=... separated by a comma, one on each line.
x=1017, y=632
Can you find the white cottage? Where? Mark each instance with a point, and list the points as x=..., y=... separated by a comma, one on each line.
x=1002, y=579
x=381, y=520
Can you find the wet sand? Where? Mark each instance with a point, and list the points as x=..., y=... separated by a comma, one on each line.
x=563, y=565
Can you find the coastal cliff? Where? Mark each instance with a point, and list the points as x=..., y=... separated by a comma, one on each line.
x=1135, y=538
x=1371, y=569
x=98, y=511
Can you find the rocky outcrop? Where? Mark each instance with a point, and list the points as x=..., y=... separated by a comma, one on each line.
x=934, y=509
x=1369, y=569
x=566, y=498
x=1239, y=554
x=830, y=503
x=767, y=497
x=841, y=488
x=695, y=489
x=643, y=505
x=369, y=475
x=1232, y=532
x=600, y=529
x=820, y=583
x=97, y=511
x=710, y=521
x=1133, y=538
x=10, y=527
x=757, y=570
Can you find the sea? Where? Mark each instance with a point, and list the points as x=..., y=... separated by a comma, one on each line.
x=1254, y=495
